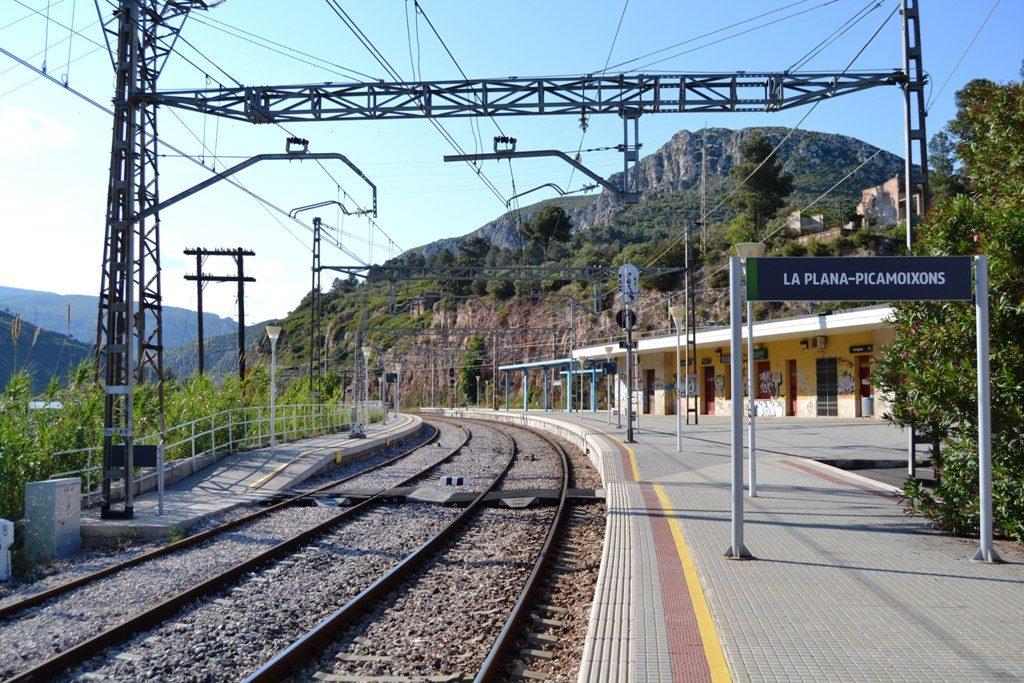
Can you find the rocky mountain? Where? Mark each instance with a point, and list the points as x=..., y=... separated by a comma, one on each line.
x=671, y=175
x=75, y=315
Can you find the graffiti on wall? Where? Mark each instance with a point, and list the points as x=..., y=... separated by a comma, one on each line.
x=845, y=383
x=769, y=383
x=802, y=384
x=770, y=407
x=720, y=385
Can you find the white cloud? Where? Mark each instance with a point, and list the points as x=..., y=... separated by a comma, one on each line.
x=27, y=131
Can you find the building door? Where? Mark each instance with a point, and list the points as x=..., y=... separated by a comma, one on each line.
x=763, y=379
x=828, y=387
x=791, y=387
x=709, y=390
x=864, y=376
x=648, y=391
x=863, y=380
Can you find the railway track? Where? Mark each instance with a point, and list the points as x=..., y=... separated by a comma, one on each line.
x=167, y=607
x=298, y=659
x=12, y=609
x=356, y=559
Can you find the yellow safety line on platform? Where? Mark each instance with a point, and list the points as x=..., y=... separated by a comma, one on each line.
x=281, y=468
x=713, y=652
x=708, y=635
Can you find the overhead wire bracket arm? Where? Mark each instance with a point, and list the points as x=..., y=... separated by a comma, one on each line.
x=554, y=186
x=228, y=172
x=532, y=154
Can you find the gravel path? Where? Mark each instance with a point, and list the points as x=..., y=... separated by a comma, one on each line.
x=566, y=597
x=64, y=621
x=228, y=637
x=443, y=620
x=446, y=618
x=479, y=462
x=536, y=467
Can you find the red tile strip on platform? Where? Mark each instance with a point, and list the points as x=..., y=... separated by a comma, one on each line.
x=837, y=480
x=686, y=650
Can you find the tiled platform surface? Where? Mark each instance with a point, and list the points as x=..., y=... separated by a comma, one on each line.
x=846, y=586
x=236, y=479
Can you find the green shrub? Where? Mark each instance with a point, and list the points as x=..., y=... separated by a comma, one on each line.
x=816, y=248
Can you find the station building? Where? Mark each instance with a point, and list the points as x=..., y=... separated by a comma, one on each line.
x=806, y=366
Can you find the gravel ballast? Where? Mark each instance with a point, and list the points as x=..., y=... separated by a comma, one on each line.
x=93, y=560
x=442, y=621
x=446, y=618
x=230, y=635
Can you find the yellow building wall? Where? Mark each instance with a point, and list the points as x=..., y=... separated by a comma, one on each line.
x=776, y=381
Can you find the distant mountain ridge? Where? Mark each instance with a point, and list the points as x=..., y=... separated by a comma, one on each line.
x=42, y=353
x=50, y=311
x=671, y=174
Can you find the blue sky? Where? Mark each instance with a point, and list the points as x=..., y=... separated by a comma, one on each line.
x=56, y=147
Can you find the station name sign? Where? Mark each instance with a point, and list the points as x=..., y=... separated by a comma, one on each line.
x=864, y=278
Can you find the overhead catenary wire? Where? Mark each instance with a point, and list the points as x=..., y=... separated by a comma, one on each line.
x=831, y=38
x=608, y=58
x=340, y=12
x=960, y=59
x=319, y=163
x=784, y=139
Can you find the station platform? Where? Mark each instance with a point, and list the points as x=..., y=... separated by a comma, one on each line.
x=845, y=585
x=237, y=479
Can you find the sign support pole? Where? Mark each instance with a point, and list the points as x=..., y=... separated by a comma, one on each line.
x=679, y=394
x=629, y=376
x=736, y=551
x=986, y=553
x=751, y=404
x=618, y=400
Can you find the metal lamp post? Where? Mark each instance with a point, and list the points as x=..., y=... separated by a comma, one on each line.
x=678, y=313
x=273, y=331
x=366, y=383
x=747, y=250
x=608, y=382
x=398, y=388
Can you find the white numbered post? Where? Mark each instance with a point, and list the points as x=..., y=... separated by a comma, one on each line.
x=6, y=541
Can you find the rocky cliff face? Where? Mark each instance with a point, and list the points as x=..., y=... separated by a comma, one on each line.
x=817, y=160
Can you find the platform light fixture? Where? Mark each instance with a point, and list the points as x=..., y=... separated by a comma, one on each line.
x=678, y=314
x=608, y=384
x=273, y=332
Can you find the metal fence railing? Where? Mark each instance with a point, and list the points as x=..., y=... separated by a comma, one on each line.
x=227, y=431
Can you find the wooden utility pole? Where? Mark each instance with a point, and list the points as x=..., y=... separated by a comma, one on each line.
x=240, y=278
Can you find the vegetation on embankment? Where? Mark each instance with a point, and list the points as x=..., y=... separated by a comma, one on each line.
x=30, y=439
x=930, y=366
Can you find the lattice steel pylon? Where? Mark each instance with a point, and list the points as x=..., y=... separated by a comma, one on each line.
x=129, y=340
x=915, y=161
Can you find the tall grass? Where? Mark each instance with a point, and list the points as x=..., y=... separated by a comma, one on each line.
x=31, y=439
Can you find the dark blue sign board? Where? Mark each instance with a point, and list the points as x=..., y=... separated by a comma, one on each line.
x=867, y=278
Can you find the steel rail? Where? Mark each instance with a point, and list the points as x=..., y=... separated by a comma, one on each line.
x=497, y=657
x=300, y=652
x=41, y=597
x=76, y=654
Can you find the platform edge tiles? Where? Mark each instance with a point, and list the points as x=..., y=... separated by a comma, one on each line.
x=237, y=479
x=650, y=620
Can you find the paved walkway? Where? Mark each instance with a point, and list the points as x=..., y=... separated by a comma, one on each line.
x=846, y=586
x=236, y=479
